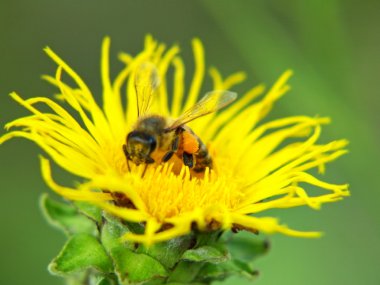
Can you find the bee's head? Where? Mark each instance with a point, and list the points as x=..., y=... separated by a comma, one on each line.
x=139, y=147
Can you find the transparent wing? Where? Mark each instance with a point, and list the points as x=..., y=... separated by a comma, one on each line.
x=147, y=81
x=211, y=102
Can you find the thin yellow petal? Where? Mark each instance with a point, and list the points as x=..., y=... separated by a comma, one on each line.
x=70, y=193
x=198, y=74
x=179, y=86
x=111, y=101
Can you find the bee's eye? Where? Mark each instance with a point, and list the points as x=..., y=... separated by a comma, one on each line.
x=132, y=136
x=152, y=143
x=143, y=139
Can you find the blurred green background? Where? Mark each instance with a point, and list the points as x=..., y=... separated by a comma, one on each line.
x=333, y=47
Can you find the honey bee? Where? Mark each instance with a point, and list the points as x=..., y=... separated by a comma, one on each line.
x=156, y=138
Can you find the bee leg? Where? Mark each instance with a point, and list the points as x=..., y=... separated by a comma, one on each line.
x=188, y=159
x=174, y=148
x=125, y=150
x=142, y=175
x=167, y=156
x=149, y=160
x=126, y=155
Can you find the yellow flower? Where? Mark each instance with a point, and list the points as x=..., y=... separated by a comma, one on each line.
x=256, y=166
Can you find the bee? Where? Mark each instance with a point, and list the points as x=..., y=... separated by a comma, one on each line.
x=155, y=138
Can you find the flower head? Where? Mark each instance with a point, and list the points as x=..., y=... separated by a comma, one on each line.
x=256, y=166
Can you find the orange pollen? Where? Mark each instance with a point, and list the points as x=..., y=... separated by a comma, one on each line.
x=190, y=143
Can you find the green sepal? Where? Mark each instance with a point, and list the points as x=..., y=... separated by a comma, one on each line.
x=243, y=250
x=112, y=230
x=185, y=272
x=66, y=217
x=212, y=272
x=91, y=211
x=101, y=280
x=130, y=266
x=106, y=281
x=81, y=252
x=91, y=277
x=77, y=279
x=247, y=249
x=208, y=253
x=137, y=267
x=192, y=283
x=168, y=252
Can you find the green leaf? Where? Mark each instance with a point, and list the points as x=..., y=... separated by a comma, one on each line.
x=168, y=252
x=247, y=249
x=207, y=253
x=91, y=211
x=81, y=252
x=66, y=217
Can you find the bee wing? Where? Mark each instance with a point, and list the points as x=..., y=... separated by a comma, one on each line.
x=211, y=102
x=147, y=81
